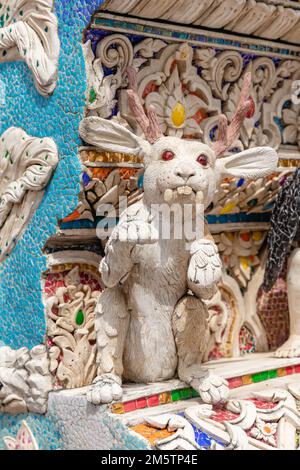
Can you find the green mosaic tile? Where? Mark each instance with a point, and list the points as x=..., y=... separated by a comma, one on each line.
x=272, y=374
x=256, y=378
x=175, y=394
x=260, y=377
x=186, y=393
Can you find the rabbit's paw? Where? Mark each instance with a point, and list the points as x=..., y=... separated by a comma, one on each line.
x=205, y=267
x=213, y=389
x=136, y=232
x=105, y=389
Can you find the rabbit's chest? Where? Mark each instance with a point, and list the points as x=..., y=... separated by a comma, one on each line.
x=162, y=262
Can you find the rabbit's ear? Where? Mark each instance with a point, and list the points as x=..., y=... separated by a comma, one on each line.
x=10, y=443
x=25, y=439
x=112, y=137
x=250, y=164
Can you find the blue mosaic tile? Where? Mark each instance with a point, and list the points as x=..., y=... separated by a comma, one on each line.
x=159, y=30
x=22, y=315
x=241, y=217
x=203, y=439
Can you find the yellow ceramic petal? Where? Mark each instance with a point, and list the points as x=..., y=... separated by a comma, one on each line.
x=257, y=236
x=178, y=115
x=228, y=208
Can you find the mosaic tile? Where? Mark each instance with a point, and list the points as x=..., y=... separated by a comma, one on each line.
x=22, y=312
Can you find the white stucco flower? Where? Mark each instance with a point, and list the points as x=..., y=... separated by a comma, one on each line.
x=264, y=432
x=179, y=110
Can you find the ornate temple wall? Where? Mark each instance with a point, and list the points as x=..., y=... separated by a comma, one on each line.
x=57, y=116
x=191, y=66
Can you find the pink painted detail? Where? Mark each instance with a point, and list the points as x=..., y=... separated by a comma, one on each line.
x=215, y=353
x=148, y=122
x=227, y=135
x=221, y=415
x=247, y=341
x=88, y=279
x=263, y=405
x=23, y=441
x=56, y=280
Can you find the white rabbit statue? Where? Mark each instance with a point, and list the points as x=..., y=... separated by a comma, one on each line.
x=151, y=319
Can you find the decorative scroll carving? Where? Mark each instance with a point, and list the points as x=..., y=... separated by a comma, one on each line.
x=71, y=292
x=25, y=380
x=239, y=251
x=189, y=87
x=219, y=70
x=26, y=166
x=264, y=420
x=180, y=96
x=29, y=32
x=116, y=52
x=225, y=315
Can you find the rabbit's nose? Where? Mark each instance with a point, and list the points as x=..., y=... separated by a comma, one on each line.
x=185, y=173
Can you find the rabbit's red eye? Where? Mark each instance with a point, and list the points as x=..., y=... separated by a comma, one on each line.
x=202, y=159
x=168, y=155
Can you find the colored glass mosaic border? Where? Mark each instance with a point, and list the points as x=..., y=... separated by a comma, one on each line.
x=188, y=392
x=154, y=400
x=152, y=29
x=241, y=217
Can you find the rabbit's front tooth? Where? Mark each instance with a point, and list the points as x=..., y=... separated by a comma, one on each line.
x=168, y=195
x=199, y=197
x=186, y=190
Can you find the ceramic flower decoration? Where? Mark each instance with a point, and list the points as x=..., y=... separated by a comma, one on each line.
x=182, y=101
x=265, y=431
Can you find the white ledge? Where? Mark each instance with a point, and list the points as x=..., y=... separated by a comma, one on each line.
x=277, y=19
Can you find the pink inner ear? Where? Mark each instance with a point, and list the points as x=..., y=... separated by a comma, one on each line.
x=24, y=440
x=227, y=135
x=148, y=123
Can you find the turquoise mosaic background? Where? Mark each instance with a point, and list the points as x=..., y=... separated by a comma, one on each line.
x=43, y=429
x=22, y=314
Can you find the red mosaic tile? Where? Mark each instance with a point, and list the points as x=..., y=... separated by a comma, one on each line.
x=129, y=406
x=289, y=370
x=153, y=401
x=141, y=403
x=235, y=382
